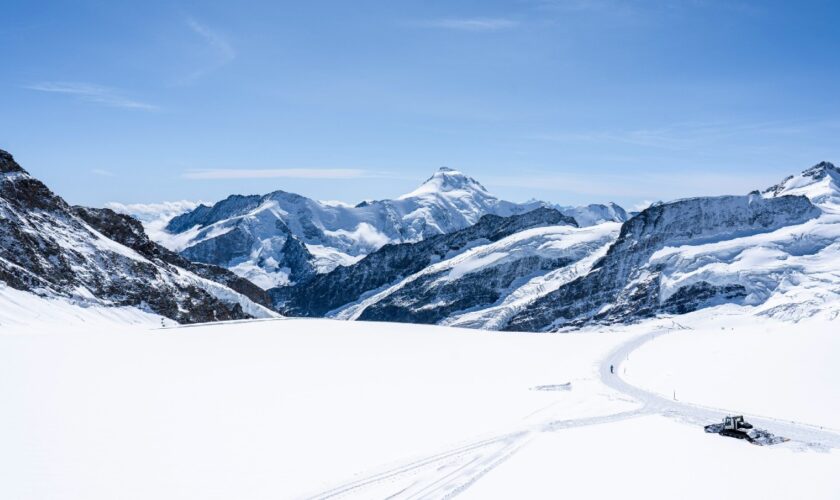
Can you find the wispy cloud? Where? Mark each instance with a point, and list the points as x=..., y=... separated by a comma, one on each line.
x=478, y=24
x=102, y=173
x=681, y=136
x=216, y=46
x=92, y=93
x=640, y=185
x=271, y=173
x=638, y=207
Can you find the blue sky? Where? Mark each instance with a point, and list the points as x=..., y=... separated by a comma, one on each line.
x=571, y=101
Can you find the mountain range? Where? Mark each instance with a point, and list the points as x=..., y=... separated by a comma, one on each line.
x=282, y=238
x=98, y=257
x=447, y=253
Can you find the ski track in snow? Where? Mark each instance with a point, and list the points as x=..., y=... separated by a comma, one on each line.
x=449, y=473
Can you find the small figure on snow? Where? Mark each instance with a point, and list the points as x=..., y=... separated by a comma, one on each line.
x=611, y=369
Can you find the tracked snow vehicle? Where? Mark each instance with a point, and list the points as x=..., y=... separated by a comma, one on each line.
x=738, y=428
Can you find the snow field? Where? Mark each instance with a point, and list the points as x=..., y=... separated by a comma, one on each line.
x=269, y=409
x=656, y=457
x=786, y=370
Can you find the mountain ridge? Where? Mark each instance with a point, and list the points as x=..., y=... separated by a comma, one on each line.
x=281, y=238
x=52, y=249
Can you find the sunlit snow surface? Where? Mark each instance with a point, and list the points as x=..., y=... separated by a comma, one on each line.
x=302, y=408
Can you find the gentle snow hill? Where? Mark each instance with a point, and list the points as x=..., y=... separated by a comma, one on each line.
x=53, y=250
x=282, y=238
x=758, y=366
x=25, y=312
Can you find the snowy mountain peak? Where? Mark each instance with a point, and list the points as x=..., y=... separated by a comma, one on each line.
x=8, y=164
x=446, y=180
x=820, y=183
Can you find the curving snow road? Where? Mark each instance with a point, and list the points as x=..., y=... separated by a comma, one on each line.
x=696, y=414
x=450, y=472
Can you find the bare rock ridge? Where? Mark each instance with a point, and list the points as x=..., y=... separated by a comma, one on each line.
x=622, y=286
x=54, y=250
x=345, y=284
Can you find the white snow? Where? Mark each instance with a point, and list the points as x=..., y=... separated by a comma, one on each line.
x=582, y=245
x=758, y=366
x=154, y=216
x=327, y=258
x=821, y=184
x=26, y=312
x=472, y=265
x=311, y=408
x=229, y=296
x=655, y=457
x=446, y=202
x=363, y=234
x=261, y=277
x=790, y=271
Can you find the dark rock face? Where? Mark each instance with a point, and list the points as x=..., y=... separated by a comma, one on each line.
x=50, y=249
x=622, y=287
x=391, y=263
x=204, y=215
x=241, y=243
x=233, y=245
x=298, y=259
x=699, y=295
x=8, y=164
x=433, y=298
x=128, y=231
x=447, y=202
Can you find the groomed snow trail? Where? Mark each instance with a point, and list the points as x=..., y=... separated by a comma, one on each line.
x=450, y=472
x=802, y=433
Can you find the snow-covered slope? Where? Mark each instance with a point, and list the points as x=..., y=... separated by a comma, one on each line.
x=154, y=216
x=588, y=245
x=54, y=250
x=790, y=273
x=820, y=183
x=594, y=214
x=627, y=283
x=392, y=263
x=282, y=238
x=485, y=285
x=781, y=257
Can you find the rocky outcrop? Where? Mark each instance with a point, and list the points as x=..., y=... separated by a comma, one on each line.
x=435, y=297
x=622, y=287
x=51, y=249
x=391, y=263
x=251, y=234
x=128, y=231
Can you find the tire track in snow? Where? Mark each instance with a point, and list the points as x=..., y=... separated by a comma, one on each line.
x=449, y=473
x=802, y=433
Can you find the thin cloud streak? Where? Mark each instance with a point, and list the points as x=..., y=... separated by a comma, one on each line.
x=659, y=185
x=472, y=24
x=273, y=173
x=681, y=136
x=216, y=46
x=102, y=173
x=219, y=44
x=92, y=93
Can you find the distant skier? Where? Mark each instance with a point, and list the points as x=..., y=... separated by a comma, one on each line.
x=611, y=369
